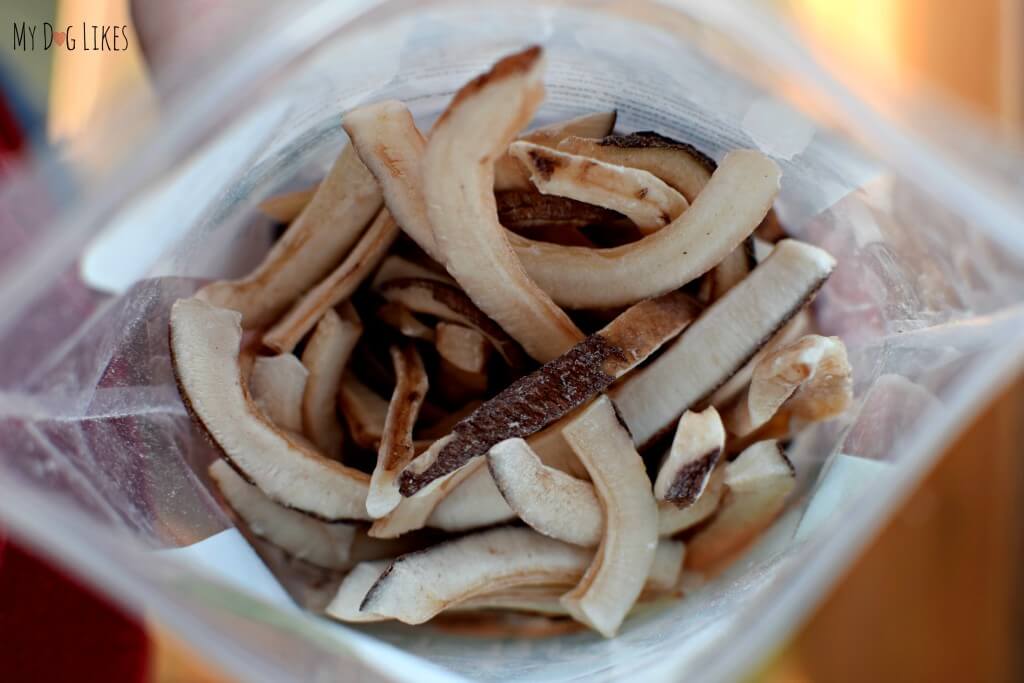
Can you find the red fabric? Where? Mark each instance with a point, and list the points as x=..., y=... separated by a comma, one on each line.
x=52, y=628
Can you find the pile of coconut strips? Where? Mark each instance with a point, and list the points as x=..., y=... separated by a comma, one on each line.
x=494, y=372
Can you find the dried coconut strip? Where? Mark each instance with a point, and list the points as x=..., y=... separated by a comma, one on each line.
x=413, y=512
x=430, y=297
x=529, y=210
x=716, y=223
x=276, y=384
x=286, y=207
x=391, y=146
x=640, y=196
x=799, y=325
x=758, y=482
x=616, y=576
x=510, y=175
x=315, y=241
x=364, y=411
x=401, y=318
x=204, y=345
x=696, y=449
x=325, y=356
x=396, y=445
x=336, y=287
x=722, y=339
x=418, y=586
x=465, y=348
x=683, y=167
x=473, y=504
x=679, y=164
x=811, y=375
x=301, y=536
x=458, y=189
x=560, y=386
x=395, y=267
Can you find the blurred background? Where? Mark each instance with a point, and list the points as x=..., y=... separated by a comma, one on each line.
x=936, y=597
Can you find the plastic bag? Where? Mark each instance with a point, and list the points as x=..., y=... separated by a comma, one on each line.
x=102, y=467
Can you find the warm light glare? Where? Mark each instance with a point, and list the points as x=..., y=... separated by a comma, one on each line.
x=84, y=84
x=867, y=33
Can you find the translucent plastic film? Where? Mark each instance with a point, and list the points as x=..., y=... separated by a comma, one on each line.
x=95, y=438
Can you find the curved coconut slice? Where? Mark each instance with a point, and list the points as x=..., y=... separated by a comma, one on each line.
x=388, y=142
x=522, y=210
x=458, y=189
x=682, y=166
x=285, y=207
x=758, y=483
x=418, y=586
x=527, y=599
x=723, y=215
x=554, y=452
x=640, y=196
x=722, y=339
x=430, y=297
x=475, y=503
x=577, y=276
x=336, y=287
x=779, y=428
x=552, y=502
x=326, y=356
x=246, y=359
x=696, y=448
x=352, y=591
x=392, y=148
x=557, y=268
x=510, y=175
x=593, y=125
x=395, y=267
x=364, y=411
x=827, y=393
x=664, y=576
x=414, y=511
x=301, y=536
x=813, y=364
x=566, y=508
x=798, y=326
x=666, y=568
x=727, y=274
x=533, y=402
x=463, y=347
x=396, y=447
x=276, y=384
x=315, y=241
x=616, y=576
x=404, y=188
x=672, y=519
x=204, y=353
x=401, y=318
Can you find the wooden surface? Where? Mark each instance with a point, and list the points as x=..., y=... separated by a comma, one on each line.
x=937, y=596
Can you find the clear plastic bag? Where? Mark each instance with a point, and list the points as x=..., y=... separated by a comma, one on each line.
x=102, y=468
